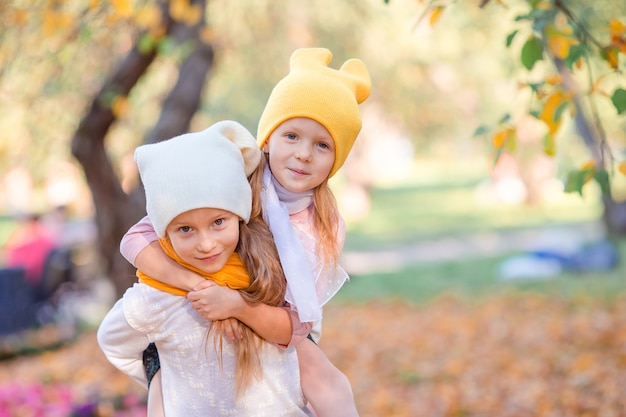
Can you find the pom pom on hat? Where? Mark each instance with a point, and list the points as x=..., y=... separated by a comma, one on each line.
x=315, y=91
x=206, y=169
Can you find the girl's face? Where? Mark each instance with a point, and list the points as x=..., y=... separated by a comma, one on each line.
x=205, y=237
x=301, y=154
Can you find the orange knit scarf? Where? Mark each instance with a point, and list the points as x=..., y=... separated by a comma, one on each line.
x=234, y=274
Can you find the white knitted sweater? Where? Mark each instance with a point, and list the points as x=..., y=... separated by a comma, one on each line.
x=193, y=382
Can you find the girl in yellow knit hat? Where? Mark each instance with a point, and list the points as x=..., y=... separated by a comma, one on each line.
x=306, y=131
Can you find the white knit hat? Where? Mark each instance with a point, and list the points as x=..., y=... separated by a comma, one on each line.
x=206, y=169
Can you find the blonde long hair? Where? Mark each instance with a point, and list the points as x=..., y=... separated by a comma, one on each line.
x=258, y=253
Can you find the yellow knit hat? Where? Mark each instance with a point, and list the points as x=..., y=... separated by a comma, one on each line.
x=315, y=91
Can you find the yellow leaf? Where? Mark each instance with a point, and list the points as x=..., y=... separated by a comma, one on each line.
x=560, y=45
x=207, y=35
x=20, y=17
x=120, y=106
x=193, y=14
x=560, y=39
x=149, y=17
x=178, y=9
x=501, y=137
x=618, y=35
x=554, y=80
x=611, y=57
x=54, y=21
x=616, y=27
x=124, y=8
x=435, y=14
x=583, y=362
x=588, y=165
x=622, y=167
x=549, y=112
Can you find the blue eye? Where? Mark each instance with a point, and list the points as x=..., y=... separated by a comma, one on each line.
x=325, y=146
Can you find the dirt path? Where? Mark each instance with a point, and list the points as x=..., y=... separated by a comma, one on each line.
x=476, y=245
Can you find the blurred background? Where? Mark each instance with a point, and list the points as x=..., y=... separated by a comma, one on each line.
x=485, y=198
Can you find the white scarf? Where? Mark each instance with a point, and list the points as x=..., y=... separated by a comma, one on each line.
x=301, y=292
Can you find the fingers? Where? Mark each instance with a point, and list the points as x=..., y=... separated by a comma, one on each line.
x=195, y=294
x=232, y=330
x=204, y=284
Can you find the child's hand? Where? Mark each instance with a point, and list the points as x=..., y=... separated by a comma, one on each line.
x=215, y=302
x=231, y=330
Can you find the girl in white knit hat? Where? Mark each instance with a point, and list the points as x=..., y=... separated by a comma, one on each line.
x=306, y=131
x=207, y=217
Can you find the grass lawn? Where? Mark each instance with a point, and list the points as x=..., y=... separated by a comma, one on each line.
x=411, y=214
x=478, y=278
x=416, y=214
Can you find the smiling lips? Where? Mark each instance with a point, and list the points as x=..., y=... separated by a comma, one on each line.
x=298, y=171
x=209, y=259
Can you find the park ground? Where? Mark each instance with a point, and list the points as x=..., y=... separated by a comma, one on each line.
x=509, y=355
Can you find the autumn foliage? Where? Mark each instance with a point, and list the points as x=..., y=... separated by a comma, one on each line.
x=509, y=356
x=569, y=70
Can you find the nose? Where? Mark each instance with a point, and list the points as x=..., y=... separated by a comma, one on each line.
x=206, y=243
x=303, y=152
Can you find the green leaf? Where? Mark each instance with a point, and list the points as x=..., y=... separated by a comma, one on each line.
x=497, y=156
x=505, y=118
x=480, y=130
x=532, y=51
x=548, y=145
x=619, y=100
x=535, y=86
x=510, y=37
x=541, y=17
x=575, y=181
x=559, y=110
x=167, y=46
x=575, y=53
x=146, y=44
x=602, y=178
x=85, y=33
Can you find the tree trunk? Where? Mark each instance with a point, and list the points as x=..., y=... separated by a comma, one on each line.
x=115, y=210
x=614, y=214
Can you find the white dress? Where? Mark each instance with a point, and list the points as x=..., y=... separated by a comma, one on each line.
x=193, y=382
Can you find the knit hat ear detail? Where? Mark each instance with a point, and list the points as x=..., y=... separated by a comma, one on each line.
x=207, y=169
x=313, y=90
x=244, y=140
x=355, y=69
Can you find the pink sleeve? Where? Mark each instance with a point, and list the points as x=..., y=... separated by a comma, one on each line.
x=140, y=235
x=300, y=330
